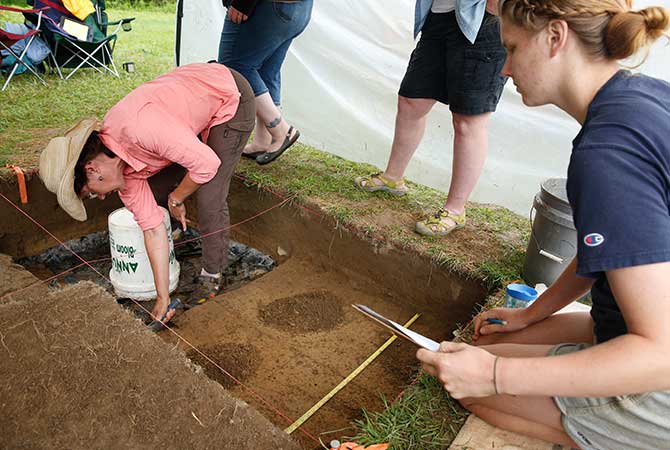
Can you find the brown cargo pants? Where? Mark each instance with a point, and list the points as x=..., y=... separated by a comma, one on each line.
x=227, y=140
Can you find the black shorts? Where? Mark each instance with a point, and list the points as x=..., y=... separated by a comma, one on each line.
x=446, y=67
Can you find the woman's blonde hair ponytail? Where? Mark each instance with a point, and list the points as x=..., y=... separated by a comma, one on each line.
x=630, y=31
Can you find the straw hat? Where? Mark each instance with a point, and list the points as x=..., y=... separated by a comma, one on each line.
x=57, y=163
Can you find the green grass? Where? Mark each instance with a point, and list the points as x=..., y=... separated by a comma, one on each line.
x=28, y=107
x=424, y=418
x=144, y=5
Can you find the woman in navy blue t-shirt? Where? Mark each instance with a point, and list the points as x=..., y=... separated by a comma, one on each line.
x=598, y=380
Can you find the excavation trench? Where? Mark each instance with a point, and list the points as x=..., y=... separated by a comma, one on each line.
x=290, y=335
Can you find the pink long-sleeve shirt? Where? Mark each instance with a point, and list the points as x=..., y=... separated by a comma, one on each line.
x=158, y=124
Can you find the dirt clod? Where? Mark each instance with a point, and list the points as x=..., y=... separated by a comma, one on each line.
x=304, y=313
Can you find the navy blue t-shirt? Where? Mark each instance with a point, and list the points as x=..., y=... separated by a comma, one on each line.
x=619, y=187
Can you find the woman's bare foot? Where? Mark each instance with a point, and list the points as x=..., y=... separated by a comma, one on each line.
x=254, y=147
x=261, y=141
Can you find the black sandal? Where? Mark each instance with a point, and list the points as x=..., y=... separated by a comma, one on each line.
x=268, y=157
x=253, y=155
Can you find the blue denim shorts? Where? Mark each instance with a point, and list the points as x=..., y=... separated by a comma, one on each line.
x=631, y=422
x=257, y=47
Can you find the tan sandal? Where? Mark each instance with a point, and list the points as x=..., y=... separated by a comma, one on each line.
x=433, y=225
x=368, y=184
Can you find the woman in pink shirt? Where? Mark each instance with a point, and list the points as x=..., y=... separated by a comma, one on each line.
x=185, y=130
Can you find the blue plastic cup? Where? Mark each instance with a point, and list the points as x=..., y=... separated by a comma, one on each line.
x=519, y=295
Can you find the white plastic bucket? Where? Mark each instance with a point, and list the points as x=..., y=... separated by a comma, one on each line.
x=131, y=273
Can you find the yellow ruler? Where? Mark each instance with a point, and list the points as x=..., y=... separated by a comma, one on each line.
x=295, y=425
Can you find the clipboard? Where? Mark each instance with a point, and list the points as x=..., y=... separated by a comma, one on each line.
x=79, y=30
x=398, y=330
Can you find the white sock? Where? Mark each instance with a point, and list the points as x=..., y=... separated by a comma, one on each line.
x=204, y=273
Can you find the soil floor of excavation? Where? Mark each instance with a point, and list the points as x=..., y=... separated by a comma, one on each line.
x=292, y=335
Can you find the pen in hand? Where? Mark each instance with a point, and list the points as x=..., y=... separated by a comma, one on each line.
x=496, y=321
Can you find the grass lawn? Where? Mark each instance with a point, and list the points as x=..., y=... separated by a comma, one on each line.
x=490, y=249
x=32, y=112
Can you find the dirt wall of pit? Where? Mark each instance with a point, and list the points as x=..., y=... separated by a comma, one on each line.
x=20, y=237
x=283, y=232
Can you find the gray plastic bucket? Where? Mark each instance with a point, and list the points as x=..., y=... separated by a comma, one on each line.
x=553, y=239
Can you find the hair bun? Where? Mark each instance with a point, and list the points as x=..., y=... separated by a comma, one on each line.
x=657, y=21
x=631, y=31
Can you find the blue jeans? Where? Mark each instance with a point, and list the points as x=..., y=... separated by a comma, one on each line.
x=257, y=47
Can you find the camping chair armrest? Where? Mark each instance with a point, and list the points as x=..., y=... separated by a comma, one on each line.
x=116, y=22
x=124, y=23
x=19, y=10
x=33, y=15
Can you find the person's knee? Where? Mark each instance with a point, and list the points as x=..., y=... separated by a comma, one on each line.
x=470, y=125
x=413, y=108
x=251, y=76
x=468, y=403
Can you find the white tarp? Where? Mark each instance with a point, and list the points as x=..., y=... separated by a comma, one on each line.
x=340, y=83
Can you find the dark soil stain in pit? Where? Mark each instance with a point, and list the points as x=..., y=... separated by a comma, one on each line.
x=239, y=360
x=304, y=313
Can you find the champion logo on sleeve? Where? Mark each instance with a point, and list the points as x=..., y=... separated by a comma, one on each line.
x=594, y=239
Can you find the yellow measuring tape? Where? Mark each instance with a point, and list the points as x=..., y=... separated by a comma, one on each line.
x=295, y=425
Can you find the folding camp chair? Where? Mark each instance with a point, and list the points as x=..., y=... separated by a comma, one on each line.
x=91, y=48
x=7, y=40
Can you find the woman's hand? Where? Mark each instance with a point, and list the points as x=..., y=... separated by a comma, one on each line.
x=160, y=308
x=236, y=16
x=513, y=319
x=463, y=370
x=178, y=211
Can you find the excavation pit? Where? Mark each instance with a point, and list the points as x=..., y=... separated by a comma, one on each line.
x=290, y=333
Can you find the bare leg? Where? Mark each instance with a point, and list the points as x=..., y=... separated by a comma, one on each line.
x=531, y=416
x=470, y=147
x=537, y=417
x=410, y=124
x=274, y=123
x=568, y=327
x=262, y=138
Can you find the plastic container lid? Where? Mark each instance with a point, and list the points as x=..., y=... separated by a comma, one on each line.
x=521, y=292
x=555, y=194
